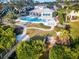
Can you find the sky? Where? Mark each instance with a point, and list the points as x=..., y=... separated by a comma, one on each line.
x=45, y=0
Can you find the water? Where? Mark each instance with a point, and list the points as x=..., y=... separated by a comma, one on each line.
x=30, y=19
x=50, y=22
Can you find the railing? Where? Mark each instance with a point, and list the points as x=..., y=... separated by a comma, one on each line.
x=3, y=53
x=7, y=53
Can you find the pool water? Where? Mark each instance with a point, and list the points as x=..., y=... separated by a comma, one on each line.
x=30, y=19
x=37, y=20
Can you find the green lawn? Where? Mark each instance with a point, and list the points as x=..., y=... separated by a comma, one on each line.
x=74, y=29
x=40, y=25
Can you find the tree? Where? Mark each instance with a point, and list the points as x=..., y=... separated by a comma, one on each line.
x=56, y=52
x=7, y=38
x=30, y=50
x=63, y=52
x=64, y=34
x=24, y=3
x=1, y=48
x=59, y=1
x=64, y=37
x=10, y=17
x=75, y=7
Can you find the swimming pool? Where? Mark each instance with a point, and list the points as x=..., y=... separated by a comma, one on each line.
x=25, y=19
x=31, y=19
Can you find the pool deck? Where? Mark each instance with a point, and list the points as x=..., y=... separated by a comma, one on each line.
x=26, y=21
x=46, y=23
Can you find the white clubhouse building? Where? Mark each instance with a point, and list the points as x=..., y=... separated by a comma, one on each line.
x=42, y=12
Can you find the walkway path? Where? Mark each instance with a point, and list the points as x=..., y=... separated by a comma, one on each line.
x=52, y=28
x=36, y=28
x=40, y=28
x=7, y=55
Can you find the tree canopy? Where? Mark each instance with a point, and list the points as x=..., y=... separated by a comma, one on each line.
x=30, y=50
x=7, y=38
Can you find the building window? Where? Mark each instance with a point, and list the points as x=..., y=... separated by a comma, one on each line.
x=46, y=14
x=39, y=14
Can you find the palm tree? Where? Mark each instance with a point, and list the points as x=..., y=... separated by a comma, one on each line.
x=64, y=37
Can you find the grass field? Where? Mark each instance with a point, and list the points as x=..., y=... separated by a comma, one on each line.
x=74, y=29
x=38, y=25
